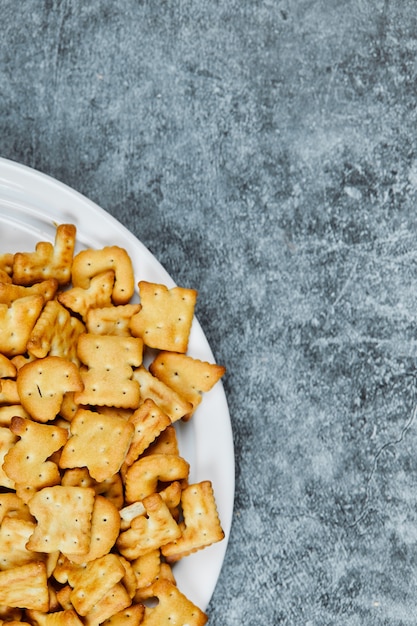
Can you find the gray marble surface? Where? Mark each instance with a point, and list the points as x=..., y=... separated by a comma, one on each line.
x=266, y=153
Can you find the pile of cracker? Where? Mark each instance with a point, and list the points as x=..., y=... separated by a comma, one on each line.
x=95, y=499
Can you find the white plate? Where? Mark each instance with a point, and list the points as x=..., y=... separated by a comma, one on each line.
x=31, y=204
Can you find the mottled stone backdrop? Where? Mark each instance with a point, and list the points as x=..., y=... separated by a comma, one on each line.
x=266, y=152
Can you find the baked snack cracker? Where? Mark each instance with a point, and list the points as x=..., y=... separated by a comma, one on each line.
x=165, y=318
x=48, y=260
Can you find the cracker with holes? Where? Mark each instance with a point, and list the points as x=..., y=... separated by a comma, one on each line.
x=108, y=377
x=150, y=531
x=89, y=263
x=9, y=292
x=63, y=516
x=55, y=333
x=165, y=319
x=10, y=410
x=111, y=320
x=189, y=377
x=25, y=587
x=168, y=400
x=143, y=476
x=149, y=421
x=105, y=527
x=165, y=443
x=14, y=535
x=27, y=461
x=7, y=441
x=116, y=599
x=131, y=616
x=98, y=442
x=97, y=294
x=12, y=506
x=172, y=608
x=48, y=260
x=111, y=488
x=201, y=525
x=95, y=581
x=17, y=322
x=42, y=384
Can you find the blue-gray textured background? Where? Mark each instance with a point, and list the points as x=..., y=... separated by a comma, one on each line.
x=266, y=152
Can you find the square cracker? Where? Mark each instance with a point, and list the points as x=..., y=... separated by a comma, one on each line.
x=98, y=442
x=25, y=587
x=165, y=319
x=63, y=517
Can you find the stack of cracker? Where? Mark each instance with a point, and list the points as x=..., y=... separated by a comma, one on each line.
x=95, y=500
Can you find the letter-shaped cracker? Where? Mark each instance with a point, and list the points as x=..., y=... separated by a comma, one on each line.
x=149, y=531
x=111, y=320
x=41, y=385
x=97, y=294
x=95, y=581
x=63, y=516
x=142, y=477
x=201, y=526
x=25, y=587
x=164, y=321
x=48, y=261
x=105, y=526
x=56, y=333
x=168, y=400
x=89, y=263
x=108, y=379
x=10, y=292
x=173, y=607
x=149, y=421
x=189, y=377
x=98, y=442
x=16, y=323
x=26, y=462
x=14, y=534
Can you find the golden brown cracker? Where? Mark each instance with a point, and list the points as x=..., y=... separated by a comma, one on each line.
x=17, y=322
x=168, y=400
x=97, y=294
x=55, y=333
x=108, y=379
x=42, y=384
x=48, y=260
x=111, y=320
x=172, y=608
x=149, y=421
x=143, y=476
x=9, y=292
x=201, y=526
x=165, y=318
x=95, y=581
x=189, y=377
x=26, y=461
x=149, y=531
x=7, y=367
x=25, y=587
x=63, y=517
x=89, y=263
x=98, y=442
